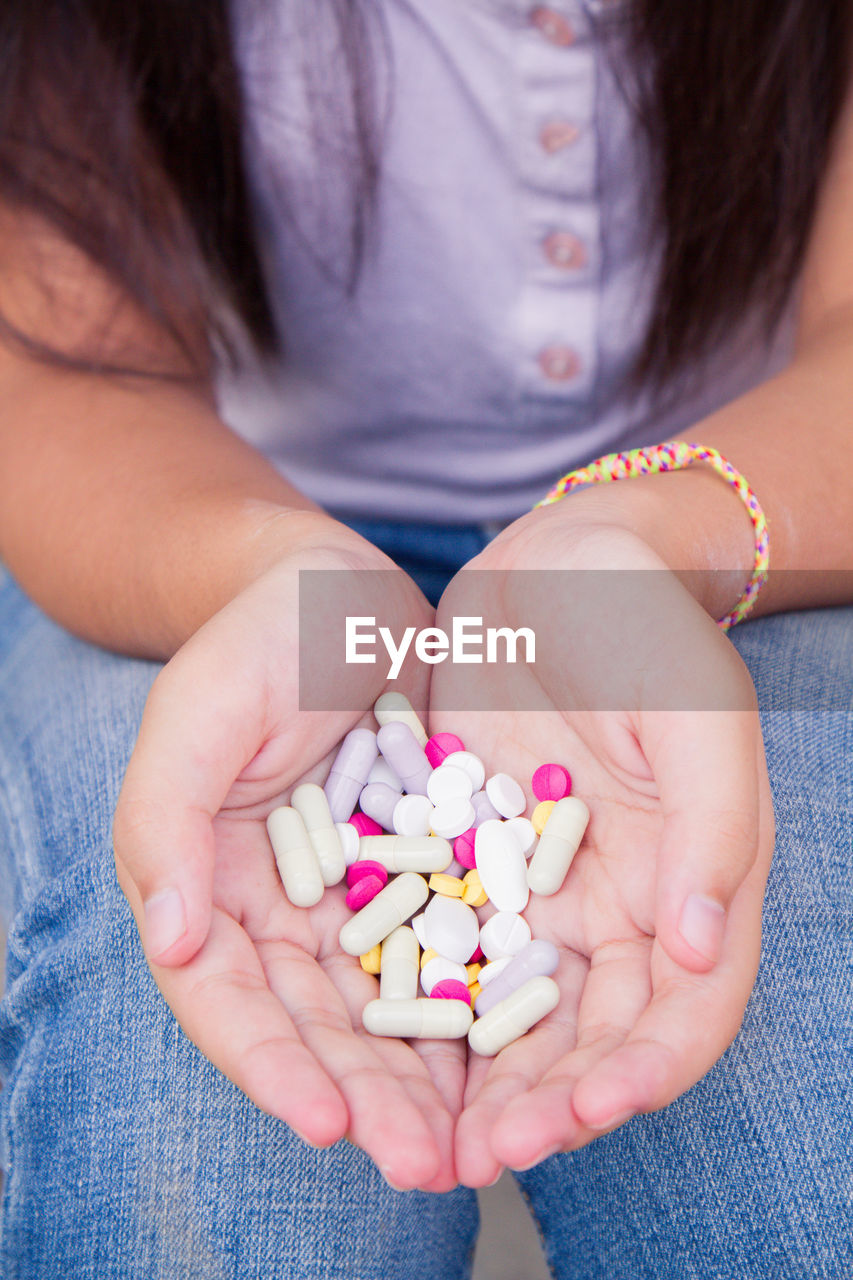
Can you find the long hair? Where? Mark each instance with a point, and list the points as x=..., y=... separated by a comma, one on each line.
x=121, y=126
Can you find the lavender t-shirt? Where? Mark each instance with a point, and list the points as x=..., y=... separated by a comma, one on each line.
x=485, y=349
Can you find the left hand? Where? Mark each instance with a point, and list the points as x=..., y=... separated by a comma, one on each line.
x=658, y=923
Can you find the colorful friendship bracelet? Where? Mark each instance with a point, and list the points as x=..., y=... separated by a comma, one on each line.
x=675, y=455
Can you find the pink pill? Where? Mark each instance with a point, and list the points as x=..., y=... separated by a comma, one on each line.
x=551, y=782
x=364, y=891
x=450, y=989
x=478, y=955
x=366, y=826
x=440, y=746
x=358, y=870
x=463, y=849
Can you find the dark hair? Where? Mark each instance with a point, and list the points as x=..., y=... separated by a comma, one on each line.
x=121, y=126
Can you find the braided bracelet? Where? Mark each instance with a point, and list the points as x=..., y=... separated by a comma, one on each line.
x=675, y=455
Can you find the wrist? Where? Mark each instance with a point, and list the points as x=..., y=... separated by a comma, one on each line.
x=690, y=520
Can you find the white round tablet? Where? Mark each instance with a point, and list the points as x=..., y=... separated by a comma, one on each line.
x=440, y=968
x=447, y=782
x=413, y=816
x=525, y=832
x=452, y=817
x=504, y=934
x=506, y=795
x=419, y=929
x=472, y=765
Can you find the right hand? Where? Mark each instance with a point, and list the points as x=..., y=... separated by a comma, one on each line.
x=261, y=987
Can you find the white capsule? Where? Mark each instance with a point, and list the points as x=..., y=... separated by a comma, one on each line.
x=504, y=934
x=382, y=772
x=448, y=783
x=502, y=868
x=506, y=795
x=440, y=968
x=492, y=970
x=524, y=832
x=509, y=1019
x=451, y=928
x=392, y=707
x=399, y=965
x=349, y=841
x=348, y=774
x=417, y=923
x=407, y=853
x=412, y=816
x=391, y=907
x=297, y=862
x=451, y=817
x=557, y=846
x=418, y=1019
x=379, y=801
x=311, y=804
x=471, y=764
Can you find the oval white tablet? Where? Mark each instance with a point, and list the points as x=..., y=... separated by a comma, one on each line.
x=451, y=928
x=506, y=795
x=448, y=782
x=471, y=764
x=419, y=930
x=440, y=968
x=451, y=817
x=412, y=816
x=501, y=865
x=504, y=934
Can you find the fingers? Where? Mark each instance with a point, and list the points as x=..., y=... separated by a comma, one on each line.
x=196, y=735
x=495, y=1083
x=616, y=992
x=222, y=1000
x=706, y=766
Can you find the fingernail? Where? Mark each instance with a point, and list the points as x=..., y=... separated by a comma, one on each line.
x=702, y=924
x=613, y=1121
x=165, y=922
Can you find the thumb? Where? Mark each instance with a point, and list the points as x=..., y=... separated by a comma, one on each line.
x=191, y=746
x=706, y=767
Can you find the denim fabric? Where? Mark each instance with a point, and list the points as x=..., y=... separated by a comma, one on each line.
x=128, y=1157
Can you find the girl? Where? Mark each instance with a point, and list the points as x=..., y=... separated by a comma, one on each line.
x=474, y=246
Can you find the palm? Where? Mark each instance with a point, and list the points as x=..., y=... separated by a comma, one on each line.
x=638, y=1021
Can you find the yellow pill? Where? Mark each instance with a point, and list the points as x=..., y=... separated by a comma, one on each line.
x=473, y=971
x=541, y=814
x=371, y=960
x=447, y=886
x=428, y=955
x=473, y=894
x=475, y=990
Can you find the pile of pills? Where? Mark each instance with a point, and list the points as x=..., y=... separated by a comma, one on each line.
x=415, y=894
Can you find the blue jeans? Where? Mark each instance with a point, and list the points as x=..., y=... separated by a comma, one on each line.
x=127, y=1156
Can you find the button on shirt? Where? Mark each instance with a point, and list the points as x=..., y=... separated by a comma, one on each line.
x=508, y=290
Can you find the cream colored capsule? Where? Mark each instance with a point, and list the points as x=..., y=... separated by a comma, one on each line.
x=407, y=853
x=311, y=804
x=509, y=1020
x=557, y=846
x=399, y=967
x=422, y=1019
x=297, y=862
x=391, y=907
x=396, y=706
